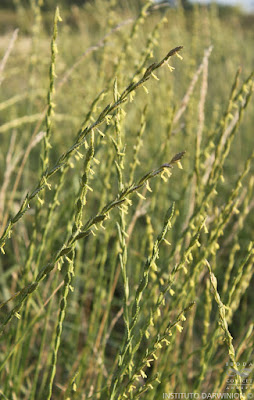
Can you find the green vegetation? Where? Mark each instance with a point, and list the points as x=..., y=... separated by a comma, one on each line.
x=126, y=203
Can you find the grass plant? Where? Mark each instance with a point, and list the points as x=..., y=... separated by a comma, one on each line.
x=122, y=276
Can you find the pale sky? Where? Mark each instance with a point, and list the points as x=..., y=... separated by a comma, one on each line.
x=246, y=4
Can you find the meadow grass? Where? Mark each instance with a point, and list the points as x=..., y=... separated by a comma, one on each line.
x=126, y=203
